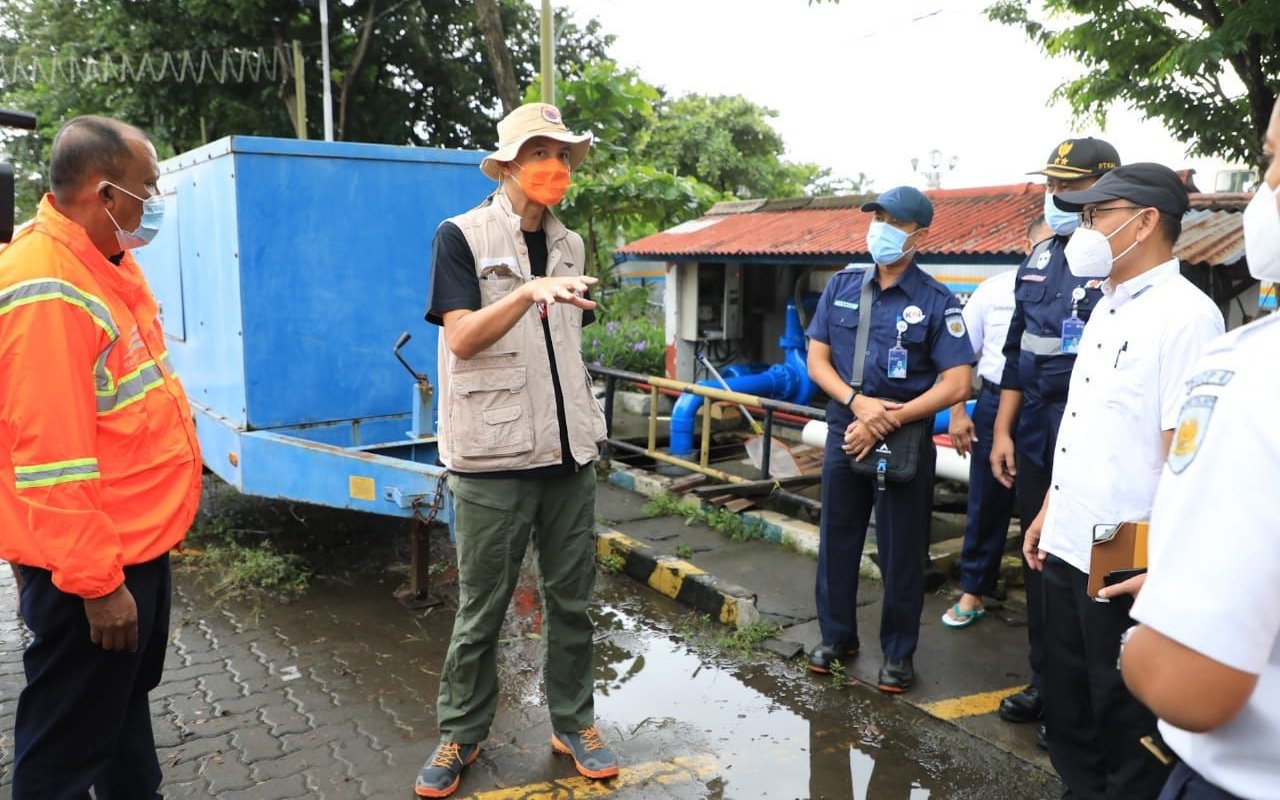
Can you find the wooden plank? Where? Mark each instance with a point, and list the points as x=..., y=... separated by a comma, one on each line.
x=682, y=485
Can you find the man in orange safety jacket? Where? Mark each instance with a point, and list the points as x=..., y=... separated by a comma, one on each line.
x=99, y=468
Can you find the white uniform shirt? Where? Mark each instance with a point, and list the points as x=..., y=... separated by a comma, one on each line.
x=1127, y=386
x=1214, y=584
x=987, y=316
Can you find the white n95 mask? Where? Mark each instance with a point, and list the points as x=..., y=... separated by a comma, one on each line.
x=1262, y=234
x=1088, y=251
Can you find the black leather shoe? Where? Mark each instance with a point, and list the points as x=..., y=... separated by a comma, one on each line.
x=1025, y=706
x=896, y=676
x=1042, y=738
x=823, y=656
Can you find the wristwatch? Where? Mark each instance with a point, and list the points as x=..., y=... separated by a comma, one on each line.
x=852, y=394
x=1124, y=640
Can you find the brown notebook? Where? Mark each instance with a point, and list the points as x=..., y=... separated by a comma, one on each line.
x=1116, y=548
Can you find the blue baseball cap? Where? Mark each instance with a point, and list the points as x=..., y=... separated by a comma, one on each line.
x=904, y=203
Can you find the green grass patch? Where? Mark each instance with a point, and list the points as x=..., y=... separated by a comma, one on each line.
x=240, y=564
x=737, y=527
x=612, y=563
x=748, y=638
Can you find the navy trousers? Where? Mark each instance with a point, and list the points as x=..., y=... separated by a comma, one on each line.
x=990, y=504
x=83, y=719
x=904, y=513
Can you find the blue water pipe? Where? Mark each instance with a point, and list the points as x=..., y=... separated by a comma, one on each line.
x=788, y=381
x=942, y=420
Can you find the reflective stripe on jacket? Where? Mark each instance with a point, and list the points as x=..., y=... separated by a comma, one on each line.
x=99, y=463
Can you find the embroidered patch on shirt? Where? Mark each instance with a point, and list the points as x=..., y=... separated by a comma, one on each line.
x=847, y=304
x=913, y=315
x=1193, y=424
x=1043, y=260
x=955, y=326
x=1034, y=278
x=1211, y=377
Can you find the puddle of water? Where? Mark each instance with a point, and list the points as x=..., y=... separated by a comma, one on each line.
x=775, y=731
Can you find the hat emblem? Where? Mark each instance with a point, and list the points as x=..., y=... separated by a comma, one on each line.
x=1064, y=149
x=551, y=114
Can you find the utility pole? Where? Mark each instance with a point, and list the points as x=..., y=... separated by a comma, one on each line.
x=299, y=92
x=325, y=75
x=548, y=55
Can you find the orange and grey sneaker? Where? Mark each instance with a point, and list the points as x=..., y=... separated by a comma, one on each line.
x=442, y=773
x=590, y=756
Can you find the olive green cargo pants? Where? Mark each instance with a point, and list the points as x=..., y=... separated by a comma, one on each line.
x=494, y=520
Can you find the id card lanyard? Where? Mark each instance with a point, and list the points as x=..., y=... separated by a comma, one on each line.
x=898, y=354
x=1073, y=326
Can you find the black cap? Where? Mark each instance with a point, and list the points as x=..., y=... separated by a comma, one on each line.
x=1146, y=185
x=1080, y=158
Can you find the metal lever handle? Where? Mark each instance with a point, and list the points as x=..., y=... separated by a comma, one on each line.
x=401, y=342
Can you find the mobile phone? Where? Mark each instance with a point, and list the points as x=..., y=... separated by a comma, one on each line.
x=1121, y=575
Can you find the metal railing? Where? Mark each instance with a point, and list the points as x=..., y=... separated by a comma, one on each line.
x=768, y=406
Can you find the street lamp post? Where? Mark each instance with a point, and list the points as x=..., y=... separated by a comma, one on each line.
x=933, y=177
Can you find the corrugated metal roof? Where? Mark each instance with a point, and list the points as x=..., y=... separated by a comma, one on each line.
x=1211, y=237
x=980, y=221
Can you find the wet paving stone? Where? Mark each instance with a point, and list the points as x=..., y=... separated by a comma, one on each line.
x=333, y=696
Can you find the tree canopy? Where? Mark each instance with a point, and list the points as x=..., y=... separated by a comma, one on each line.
x=1179, y=61
x=415, y=72
x=729, y=143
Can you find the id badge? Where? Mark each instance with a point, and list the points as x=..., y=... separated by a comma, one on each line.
x=1072, y=330
x=898, y=363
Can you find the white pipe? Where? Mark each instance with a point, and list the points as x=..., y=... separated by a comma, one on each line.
x=326, y=77
x=950, y=466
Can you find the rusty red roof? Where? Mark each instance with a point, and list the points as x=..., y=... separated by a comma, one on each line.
x=979, y=222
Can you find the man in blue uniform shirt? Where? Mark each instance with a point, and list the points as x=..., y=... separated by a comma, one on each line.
x=1050, y=308
x=918, y=359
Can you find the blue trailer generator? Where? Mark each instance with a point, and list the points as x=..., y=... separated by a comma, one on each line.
x=286, y=271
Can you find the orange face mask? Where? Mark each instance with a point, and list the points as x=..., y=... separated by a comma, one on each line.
x=544, y=182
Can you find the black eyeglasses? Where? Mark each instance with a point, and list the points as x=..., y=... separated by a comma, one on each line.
x=1087, y=216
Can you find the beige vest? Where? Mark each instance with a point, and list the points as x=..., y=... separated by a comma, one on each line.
x=498, y=408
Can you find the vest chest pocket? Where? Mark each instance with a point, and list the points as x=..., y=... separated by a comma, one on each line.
x=490, y=414
x=1029, y=292
x=496, y=282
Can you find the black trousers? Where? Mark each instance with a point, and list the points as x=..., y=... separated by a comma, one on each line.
x=1094, y=724
x=1187, y=784
x=84, y=719
x=1031, y=485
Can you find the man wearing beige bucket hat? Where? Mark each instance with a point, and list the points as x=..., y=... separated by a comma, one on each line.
x=519, y=429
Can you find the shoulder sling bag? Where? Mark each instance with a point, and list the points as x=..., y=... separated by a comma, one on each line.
x=895, y=459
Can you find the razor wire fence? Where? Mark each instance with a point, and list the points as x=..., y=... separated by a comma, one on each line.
x=227, y=65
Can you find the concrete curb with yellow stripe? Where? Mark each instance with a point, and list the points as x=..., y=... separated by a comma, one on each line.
x=678, y=579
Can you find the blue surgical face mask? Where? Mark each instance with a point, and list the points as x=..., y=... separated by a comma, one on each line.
x=885, y=242
x=1064, y=223
x=148, y=226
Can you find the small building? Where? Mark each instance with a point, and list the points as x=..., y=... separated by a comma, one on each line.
x=730, y=274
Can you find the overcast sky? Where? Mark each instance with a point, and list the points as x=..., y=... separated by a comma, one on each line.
x=865, y=86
